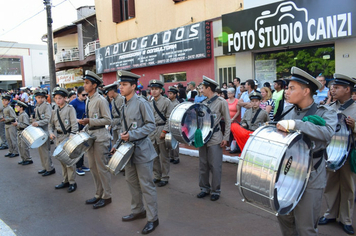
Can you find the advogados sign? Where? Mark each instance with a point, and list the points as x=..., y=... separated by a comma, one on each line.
x=288, y=23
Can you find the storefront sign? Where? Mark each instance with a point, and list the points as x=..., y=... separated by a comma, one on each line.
x=180, y=44
x=288, y=23
x=69, y=76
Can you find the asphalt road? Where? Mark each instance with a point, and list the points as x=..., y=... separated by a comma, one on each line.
x=32, y=207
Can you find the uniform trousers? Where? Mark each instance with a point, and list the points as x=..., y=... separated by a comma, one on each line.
x=98, y=156
x=161, y=164
x=11, y=136
x=45, y=155
x=174, y=153
x=210, y=160
x=340, y=194
x=23, y=148
x=68, y=172
x=2, y=134
x=143, y=191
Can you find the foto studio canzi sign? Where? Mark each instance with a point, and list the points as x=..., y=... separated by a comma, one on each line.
x=288, y=23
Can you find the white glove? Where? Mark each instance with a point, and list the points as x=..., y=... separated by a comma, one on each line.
x=287, y=124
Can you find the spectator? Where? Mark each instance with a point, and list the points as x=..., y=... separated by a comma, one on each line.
x=72, y=95
x=230, y=84
x=191, y=87
x=278, y=97
x=244, y=101
x=224, y=86
x=321, y=94
x=200, y=97
x=234, y=111
x=237, y=86
x=268, y=85
x=267, y=103
x=182, y=95
x=193, y=94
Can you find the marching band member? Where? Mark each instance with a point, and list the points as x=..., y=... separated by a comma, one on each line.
x=138, y=172
x=172, y=95
x=4, y=144
x=116, y=102
x=43, y=115
x=210, y=155
x=303, y=220
x=162, y=108
x=340, y=186
x=22, y=123
x=98, y=115
x=64, y=122
x=10, y=130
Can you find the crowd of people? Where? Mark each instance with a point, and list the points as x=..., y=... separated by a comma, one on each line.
x=119, y=112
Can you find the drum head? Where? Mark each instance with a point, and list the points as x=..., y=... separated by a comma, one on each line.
x=120, y=158
x=82, y=148
x=39, y=142
x=59, y=148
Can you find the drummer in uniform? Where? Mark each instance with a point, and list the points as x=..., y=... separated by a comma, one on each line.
x=116, y=102
x=138, y=172
x=211, y=155
x=43, y=115
x=64, y=122
x=23, y=121
x=98, y=115
x=254, y=117
x=340, y=186
x=4, y=144
x=172, y=95
x=162, y=108
x=10, y=130
x=303, y=219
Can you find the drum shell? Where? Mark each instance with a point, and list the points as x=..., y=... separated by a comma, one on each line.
x=62, y=156
x=183, y=124
x=120, y=158
x=274, y=169
x=171, y=142
x=339, y=148
x=78, y=144
x=34, y=137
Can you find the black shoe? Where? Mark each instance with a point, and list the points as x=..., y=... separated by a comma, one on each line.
x=171, y=160
x=72, y=188
x=132, y=217
x=162, y=183
x=4, y=147
x=324, y=221
x=41, y=171
x=102, y=203
x=27, y=162
x=61, y=185
x=150, y=226
x=47, y=173
x=237, y=150
x=52, y=142
x=214, y=197
x=92, y=200
x=20, y=162
x=176, y=161
x=347, y=228
x=156, y=181
x=202, y=194
x=9, y=154
x=14, y=155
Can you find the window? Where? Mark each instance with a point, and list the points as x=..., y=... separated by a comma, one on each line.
x=174, y=77
x=226, y=74
x=10, y=66
x=218, y=42
x=122, y=10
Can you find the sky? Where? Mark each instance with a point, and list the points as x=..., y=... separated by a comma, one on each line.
x=25, y=21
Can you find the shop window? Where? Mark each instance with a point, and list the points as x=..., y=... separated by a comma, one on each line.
x=226, y=74
x=10, y=66
x=122, y=10
x=218, y=42
x=174, y=77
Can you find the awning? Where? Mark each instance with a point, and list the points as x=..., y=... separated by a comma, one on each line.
x=10, y=77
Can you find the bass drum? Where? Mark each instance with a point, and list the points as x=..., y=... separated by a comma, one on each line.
x=170, y=141
x=339, y=148
x=120, y=158
x=62, y=156
x=274, y=169
x=78, y=144
x=186, y=118
x=34, y=137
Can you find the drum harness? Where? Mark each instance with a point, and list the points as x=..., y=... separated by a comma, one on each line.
x=216, y=128
x=87, y=111
x=64, y=131
x=160, y=114
x=254, y=118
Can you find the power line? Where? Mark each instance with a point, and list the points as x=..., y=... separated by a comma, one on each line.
x=81, y=14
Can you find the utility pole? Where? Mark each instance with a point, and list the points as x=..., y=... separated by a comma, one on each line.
x=51, y=64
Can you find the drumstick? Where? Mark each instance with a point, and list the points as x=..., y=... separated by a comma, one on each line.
x=125, y=133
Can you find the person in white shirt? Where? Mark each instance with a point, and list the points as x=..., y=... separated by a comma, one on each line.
x=244, y=101
x=191, y=87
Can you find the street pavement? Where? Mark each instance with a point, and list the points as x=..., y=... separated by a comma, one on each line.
x=31, y=206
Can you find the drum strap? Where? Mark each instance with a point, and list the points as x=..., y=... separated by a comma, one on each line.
x=61, y=123
x=124, y=118
x=255, y=116
x=346, y=105
x=212, y=99
x=38, y=114
x=117, y=110
x=158, y=112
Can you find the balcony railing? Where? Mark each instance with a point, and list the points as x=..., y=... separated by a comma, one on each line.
x=89, y=48
x=67, y=55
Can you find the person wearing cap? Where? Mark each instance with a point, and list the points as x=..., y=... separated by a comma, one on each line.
x=340, y=186
x=4, y=144
x=138, y=114
x=43, y=113
x=256, y=116
x=97, y=116
x=71, y=96
x=10, y=130
x=191, y=87
x=172, y=95
x=23, y=121
x=63, y=123
x=244, y=101
x=162, y=108
x=210, y=154
x=278, y=97
x=116, y=102
x=318, y=123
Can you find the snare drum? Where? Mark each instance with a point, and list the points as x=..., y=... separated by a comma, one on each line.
x=120, y=158
x=34, y=137
x=274, y=169
x=183, y=122
x=170, y=141
x=340, y=145
x=78, y=144
x=62, y=156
